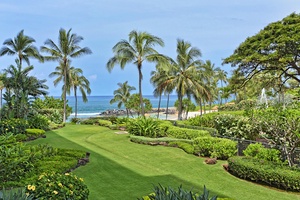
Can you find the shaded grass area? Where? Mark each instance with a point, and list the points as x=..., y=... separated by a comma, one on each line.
x=120, y=169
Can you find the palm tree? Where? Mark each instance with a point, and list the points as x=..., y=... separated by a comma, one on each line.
x=136, y=50
x=122, y=94
x=22, y=46
x=66, y=49
x=184, y=77
x=78, y=81
x=221, y=76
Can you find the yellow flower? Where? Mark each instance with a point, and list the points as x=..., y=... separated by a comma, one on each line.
x=55, y=192
x=60, y=185
x=33, y=188
x=67, y=174
x=71, y=192
x=29, y=187
x=81, y=179
x=27, y=194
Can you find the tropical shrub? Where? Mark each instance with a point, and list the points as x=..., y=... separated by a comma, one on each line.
x=143, y=126
x=269, y=173
x=258, y=151
x=182, y=124
x=185, y=133
x=187, y=147
x=90, y=121
x=242, y=128
x=215, y=147
x=34, y=133
x=15, y=194
x=58, y=186
x=13, y=125
x=103, y=122
x=39, y=121
x=75, y=120
x=160, y=193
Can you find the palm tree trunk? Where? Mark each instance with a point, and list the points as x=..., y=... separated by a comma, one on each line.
x=140, y=90
x=65, y=91
x=179, y=116
x=167, y=106
x=75, y=94
x=204, y=106
x=200, y=107
x=158, y=106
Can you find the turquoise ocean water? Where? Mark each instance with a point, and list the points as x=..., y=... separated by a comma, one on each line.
x=98, y=104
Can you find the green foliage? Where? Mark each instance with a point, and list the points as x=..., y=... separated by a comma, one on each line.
x=39, y=121
x=105, y=123
x=269, y=173
x=75, y=120
x=168, y=193
x=143, y=126
x=242, y=105
x=58, y=186
x=34, y=132
x=215, y=147
x=8, y=138
x=156, y=141
x=133, y=103
x=187, y=147
x=187, y=105
x=52, y=108
x=15, y=194
x=13, y=125
x=19, y=164
x=185, y=133
x=258, y=151
x=184, y=124
x=90, y=121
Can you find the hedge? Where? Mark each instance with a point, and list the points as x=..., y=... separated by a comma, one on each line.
x=156, y=141
x=269, y=173
x=215, y=147
x=185, y=133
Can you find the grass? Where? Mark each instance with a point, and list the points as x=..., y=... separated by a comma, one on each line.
x=120, y=169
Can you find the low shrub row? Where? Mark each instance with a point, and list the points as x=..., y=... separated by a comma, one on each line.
x=258, y=151
x=215, y=147
x=269, y=173
x=186, y=133
x=157, y=141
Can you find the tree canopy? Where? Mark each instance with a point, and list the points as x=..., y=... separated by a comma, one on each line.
x=275, y=48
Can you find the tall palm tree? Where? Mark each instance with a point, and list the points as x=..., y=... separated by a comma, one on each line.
x=66, y=49
x=221, y=76
x=78, y=81
x=22, y=46
x=184, y=75
x=136, y=50
x=122, y=94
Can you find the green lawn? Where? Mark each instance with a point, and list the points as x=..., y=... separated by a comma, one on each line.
x=120, y=169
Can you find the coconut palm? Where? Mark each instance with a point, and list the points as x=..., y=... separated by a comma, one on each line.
x=136, y=50
x=184, y=77
x=78, y=81
x=22, y=46
x=221, y=76
x=66, y=49
x=122, y=94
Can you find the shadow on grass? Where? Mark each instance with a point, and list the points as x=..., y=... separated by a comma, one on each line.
x=107, y=179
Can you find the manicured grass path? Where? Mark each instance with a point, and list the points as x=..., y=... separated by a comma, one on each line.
x=120, y=169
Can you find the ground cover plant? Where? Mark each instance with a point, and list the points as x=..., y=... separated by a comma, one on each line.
x=120, y=169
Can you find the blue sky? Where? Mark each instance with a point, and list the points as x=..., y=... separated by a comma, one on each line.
x=216, y=27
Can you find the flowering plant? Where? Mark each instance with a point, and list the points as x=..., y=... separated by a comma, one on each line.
x=58, y=186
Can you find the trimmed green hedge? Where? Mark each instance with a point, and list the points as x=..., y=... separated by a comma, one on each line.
x=103, y=122
x=187, y=147
x=185, y=133
x=157, y=141
x=269, y=173
x=181, y=124
x=215, y=147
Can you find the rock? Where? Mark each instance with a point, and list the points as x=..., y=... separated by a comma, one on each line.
x=210, y=161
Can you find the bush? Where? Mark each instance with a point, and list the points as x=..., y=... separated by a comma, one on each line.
x=169, y=193
x=75, y=120
x=257, y=150
x=143, y=126
x=269, y=173
x=212, y=131
x=156, y=141
x=13, y=125
x=185, y=133
x=34, y=133
x=15, y=194
x=90, y=121
x=58, y=186
x=105, y=123
x=215, y=147
x=39, y=121
x=187, y=147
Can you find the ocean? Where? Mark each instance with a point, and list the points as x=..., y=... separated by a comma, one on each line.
x=98, y=104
